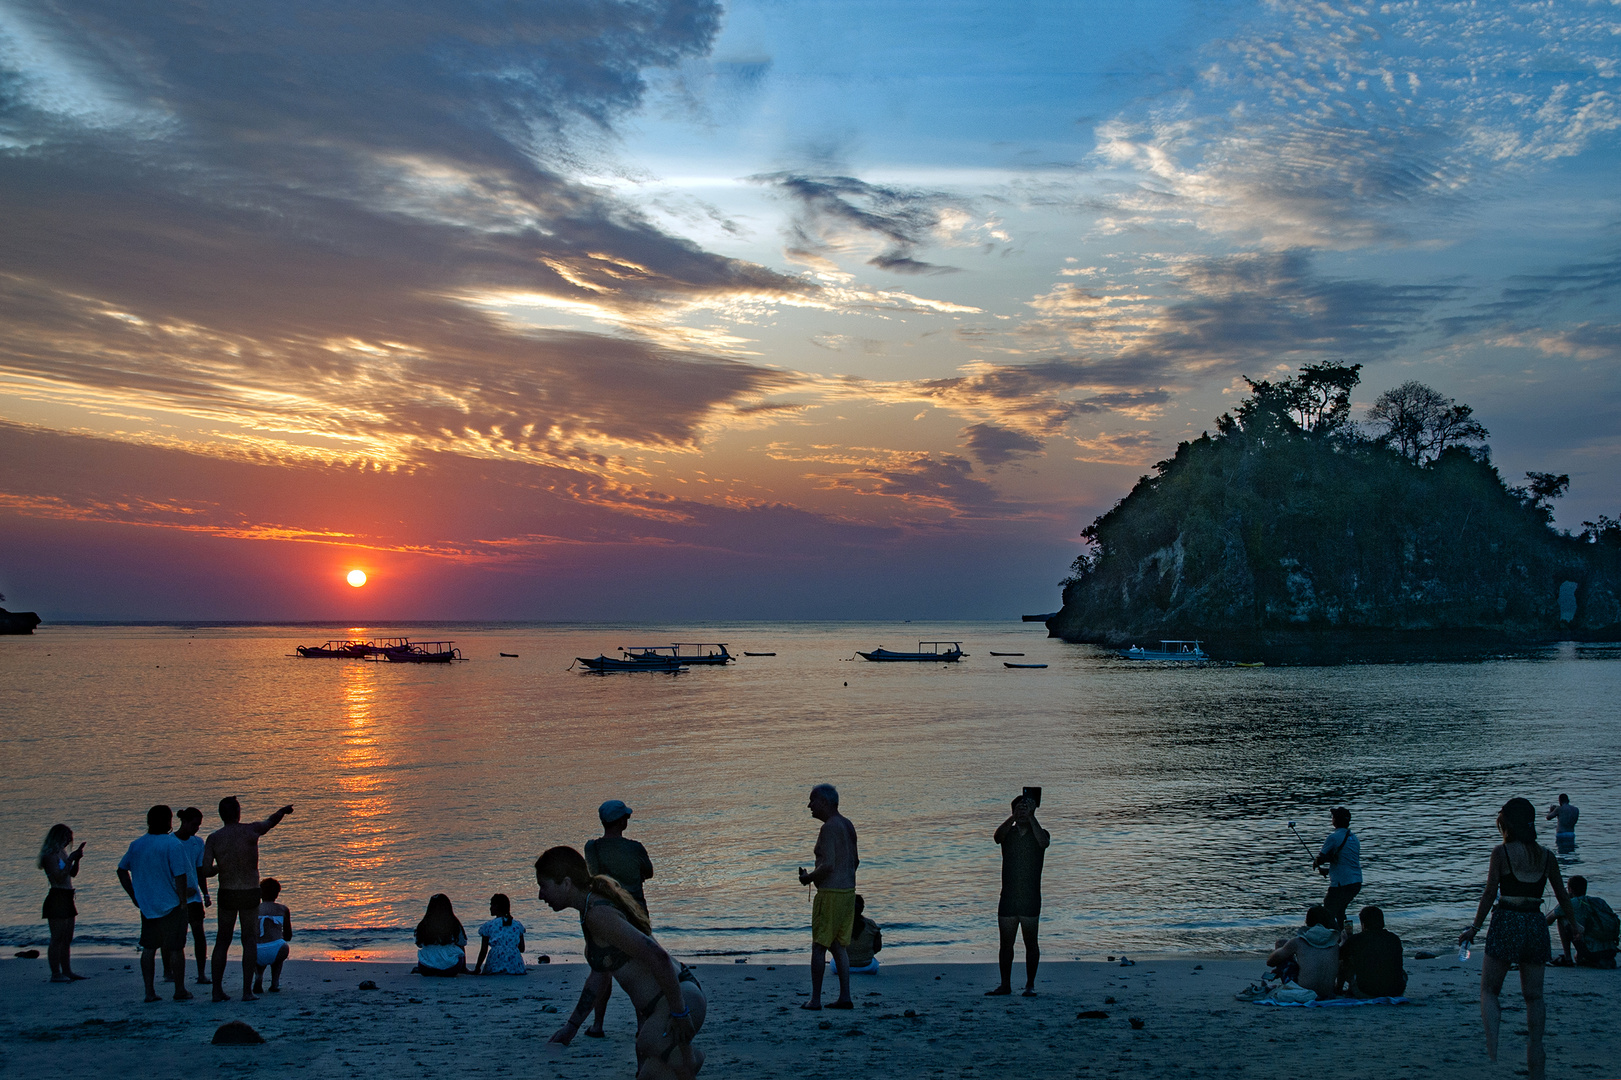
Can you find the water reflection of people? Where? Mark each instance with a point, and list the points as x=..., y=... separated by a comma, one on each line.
x=670, y=1004
x=1564, y=832
x=61, y=866
x=441, y=941
x=1518, y=872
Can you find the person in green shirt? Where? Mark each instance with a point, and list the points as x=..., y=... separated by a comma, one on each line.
x=626, y=862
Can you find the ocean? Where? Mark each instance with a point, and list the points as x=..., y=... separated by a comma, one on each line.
x=1167, y=789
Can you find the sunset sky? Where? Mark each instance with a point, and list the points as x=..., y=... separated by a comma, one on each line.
x=678, y=310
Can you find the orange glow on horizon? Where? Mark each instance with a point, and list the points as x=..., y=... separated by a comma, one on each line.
x=356, y=578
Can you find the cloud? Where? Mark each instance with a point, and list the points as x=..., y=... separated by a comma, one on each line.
x=1528, y=298
x=1322, y=126
x=929, y=483
x=836, y=211
x=311, y=222
x=994, y=445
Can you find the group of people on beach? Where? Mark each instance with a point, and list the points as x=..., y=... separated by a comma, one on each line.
x=166, y=875
x=1326, y=960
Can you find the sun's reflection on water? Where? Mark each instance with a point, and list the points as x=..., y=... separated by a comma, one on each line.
x=361, y=882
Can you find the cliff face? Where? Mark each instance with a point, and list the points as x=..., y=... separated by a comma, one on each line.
x=1293, y=546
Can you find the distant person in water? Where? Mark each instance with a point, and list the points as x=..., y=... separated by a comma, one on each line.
x=1371, y=962
x=155, y=873
x=670, y=1004
x=626, y=862
x=232, y=852
x=500, y=949
x=1516, y=875
x=1341, y=860
x=1597, y=946
x=1311, y=959
x=1024, y=850
x=275, y=930
x=834, y=909
x=198, y=900
x=60, y=861
x=1564, y=814
x=865, y=941
x=441, y=940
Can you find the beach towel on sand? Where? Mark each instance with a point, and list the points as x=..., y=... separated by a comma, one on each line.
x=1333, y=1003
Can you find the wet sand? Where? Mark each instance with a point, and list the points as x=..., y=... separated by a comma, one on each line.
x=322, y=1025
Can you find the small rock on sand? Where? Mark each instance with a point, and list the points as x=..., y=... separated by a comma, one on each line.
x=236, y=1033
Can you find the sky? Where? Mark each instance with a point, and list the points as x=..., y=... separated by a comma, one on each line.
x=679, y=310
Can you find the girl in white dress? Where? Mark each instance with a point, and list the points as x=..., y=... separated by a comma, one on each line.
x=501, y=952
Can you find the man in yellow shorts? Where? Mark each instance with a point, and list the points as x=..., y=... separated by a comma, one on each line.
x=834, y=910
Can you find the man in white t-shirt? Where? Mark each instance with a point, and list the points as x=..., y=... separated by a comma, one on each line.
x=158, y=877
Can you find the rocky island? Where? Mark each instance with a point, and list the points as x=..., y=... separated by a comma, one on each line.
x=1294, y=535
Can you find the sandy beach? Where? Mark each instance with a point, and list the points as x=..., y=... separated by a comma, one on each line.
x=322, y=1024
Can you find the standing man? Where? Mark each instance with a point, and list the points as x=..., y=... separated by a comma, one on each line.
x=232, y=852
x=1564, y=832
x=834, y=911
x=157, y=876
x=1341, y=860
x=191, y=819
x=626, y=862
x=1024, y=850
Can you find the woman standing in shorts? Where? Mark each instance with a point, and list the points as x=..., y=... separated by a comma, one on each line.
x=61, y=866
x=1519, y=870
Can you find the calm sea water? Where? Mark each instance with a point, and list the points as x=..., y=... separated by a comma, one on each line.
x=1167, y=789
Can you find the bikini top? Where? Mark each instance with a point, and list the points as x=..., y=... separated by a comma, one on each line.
x=1510, y=885
x=600, y=957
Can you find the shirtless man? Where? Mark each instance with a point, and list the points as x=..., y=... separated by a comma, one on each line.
x=833, y=913
x=232, y=852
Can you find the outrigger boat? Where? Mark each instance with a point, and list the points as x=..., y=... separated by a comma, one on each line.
x=949, y=655
x=684, y=652
x=603, y=664
x=419, y=652
x=1184, y=651
x=348, y=650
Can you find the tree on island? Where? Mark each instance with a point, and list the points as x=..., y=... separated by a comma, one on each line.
x=1291, y=523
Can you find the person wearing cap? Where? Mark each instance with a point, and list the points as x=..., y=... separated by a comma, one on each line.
x=626, y=862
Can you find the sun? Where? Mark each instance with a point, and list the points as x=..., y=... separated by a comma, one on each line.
x=357, y=578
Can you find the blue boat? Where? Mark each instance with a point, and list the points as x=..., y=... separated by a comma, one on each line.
x=1182, y=651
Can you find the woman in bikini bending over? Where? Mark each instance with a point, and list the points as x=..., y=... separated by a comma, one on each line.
x=1519, y=870
x=670, y=1004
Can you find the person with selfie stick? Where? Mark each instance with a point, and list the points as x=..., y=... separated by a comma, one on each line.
x=1024, y=849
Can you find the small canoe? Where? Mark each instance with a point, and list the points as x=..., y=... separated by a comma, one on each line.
x=1259, y=664
x=510, y=655
x=1007, y=653
x=1006, y=664
x=759, y=654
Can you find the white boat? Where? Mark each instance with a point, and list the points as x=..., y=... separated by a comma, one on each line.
x=1184, y=651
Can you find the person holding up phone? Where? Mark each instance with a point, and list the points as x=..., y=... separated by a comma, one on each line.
x=1024, y=850
x=1341, y=861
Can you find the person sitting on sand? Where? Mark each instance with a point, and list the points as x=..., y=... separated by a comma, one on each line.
x=440, y=940
x=61, y=866
x=625, y=860
x=670, y=1004
x=157, y=875
x=865, y=940
x=1024, y=848
x=500, y=950
x=275, y=930
x=1316, y=952
x=1370, y=962
x=834, y=910
x=1596, y=948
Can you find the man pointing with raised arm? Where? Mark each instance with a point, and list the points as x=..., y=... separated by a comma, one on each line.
x=834, y=910
x=232, y=852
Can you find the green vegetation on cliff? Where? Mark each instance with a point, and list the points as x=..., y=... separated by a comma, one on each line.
x=1291, y=533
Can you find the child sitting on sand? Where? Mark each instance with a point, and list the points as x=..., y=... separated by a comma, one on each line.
x=440, y=940
x=501, y=950
x=865, y=939
x=275, y=931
